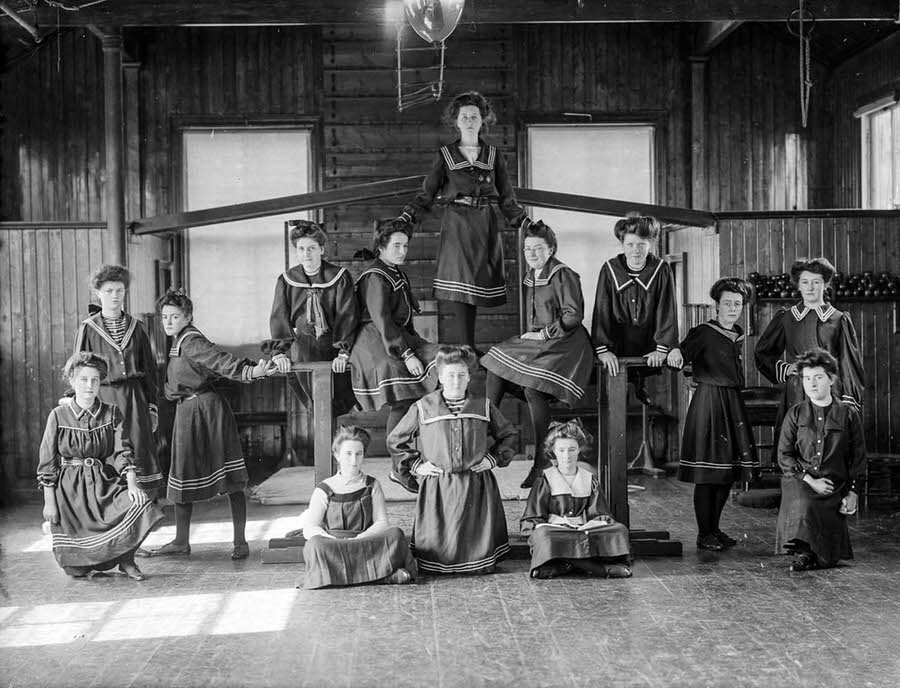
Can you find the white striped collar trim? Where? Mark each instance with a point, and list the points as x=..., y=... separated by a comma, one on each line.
x=94, y=322
x=189, y=331
x=314, y=285
x=824, y=312
x=531, y=281
x=449, y=415
x=580, y=487
x=488, y=164
x=735, y=335
x=635, y=280
x=397, y=280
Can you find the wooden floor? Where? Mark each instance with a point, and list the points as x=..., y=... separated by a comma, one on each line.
x=733, y=619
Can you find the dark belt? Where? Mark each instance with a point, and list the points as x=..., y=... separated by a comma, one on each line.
x=193, y=396
x=89, y=461
x=473, y=201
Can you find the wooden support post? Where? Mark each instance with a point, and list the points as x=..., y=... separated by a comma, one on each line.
x=699, y=190
x=321, y=396
x=115, y=174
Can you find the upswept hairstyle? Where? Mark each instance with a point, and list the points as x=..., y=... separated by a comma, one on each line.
x=820, y=266
x=645, y=226
x=177, y=298
x=85, y=359
x=451, y=112
x=568, y=430
x=385, y=229
x=735, y=285
x=816, y=358
x=109, y=273
x=539, y=230
x=350, y=433
x=450, y=354
x=306, y=229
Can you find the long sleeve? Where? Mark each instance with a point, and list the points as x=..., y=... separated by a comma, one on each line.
x=48, y=456
x=146, y=363
x=850, y=366
x=376, y=293
x=346, y=316
x=81, y=339
x=401, y=443
x=597, y=506
x=769, y=349
x=200, y=350
x=856, y=444
x=379, y=513
x=280, y=321
x=602, y=323
x=504, y=435
x=537, y=508
x=312, y=521
x=123, y=449
x=509, y=206
x=692, y=345
x=788, y=454
x=424, y=200
x=666, y=332
x=567, y=287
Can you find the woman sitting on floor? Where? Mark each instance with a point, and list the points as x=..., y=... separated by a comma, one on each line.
x=98, y=514
x=822, y=453
x=573, y=529
x=451, y=441
x=348, y=538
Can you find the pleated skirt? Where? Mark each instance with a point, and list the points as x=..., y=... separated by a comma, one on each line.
x=548, y=543
x=344, y=561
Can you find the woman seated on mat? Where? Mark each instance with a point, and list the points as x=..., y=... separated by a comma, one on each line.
x=98, y=515
x=451, y=440
x=348, y=538
x=822, y=453
x=573, y=529
x=553, y=358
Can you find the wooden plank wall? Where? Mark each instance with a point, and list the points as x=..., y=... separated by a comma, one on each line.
x=860, y=79
x=854, y=242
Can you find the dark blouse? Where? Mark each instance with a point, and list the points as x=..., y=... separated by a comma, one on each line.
x=715, y=354
x=385, y=299
x=195, y=363
x=553, y=300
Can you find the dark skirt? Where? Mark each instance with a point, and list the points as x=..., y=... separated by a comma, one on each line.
x=717, y=446
x=131, y=398
x=459, y=524
x=470, y=258
x=559, y=367
x=808, y=517
x=602, y=544
x=356, y=561
x=379, y=379
x=207, y=459
x=98, y=522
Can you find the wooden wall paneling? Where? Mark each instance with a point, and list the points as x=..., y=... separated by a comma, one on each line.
x=7, y=378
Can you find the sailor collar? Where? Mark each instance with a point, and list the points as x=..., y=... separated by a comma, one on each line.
x=96, y=322
x=618, y=268
x=433, y=409
x=824, y=312
x=189, y=331
x=551, y=267
x=394, y=275
x=580, y=487
x=455, y=160
x=79, y=412
x=735, y=335
x=328, y=273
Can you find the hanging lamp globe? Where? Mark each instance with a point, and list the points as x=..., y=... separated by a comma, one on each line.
x=434, y=20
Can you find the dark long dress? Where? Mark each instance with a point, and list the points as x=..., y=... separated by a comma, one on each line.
x=560, y=364
x=717, y=446
x=386, y=338
x=207, y=459
x=314, y=318
x=470, y=258
x=346, y=561
x=98, y=522
x=798, y=329
x=825, y=443
x=459, y=524
x=553, y=501
x=131, y=384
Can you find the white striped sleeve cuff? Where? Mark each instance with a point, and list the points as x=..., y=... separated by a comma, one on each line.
x=601, y=350
x=781, y=370
x=490, y=457
x=409, y=353
x=662, y=348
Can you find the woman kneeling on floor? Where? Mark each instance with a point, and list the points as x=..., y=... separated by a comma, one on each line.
x=98, y=514
x=573, y=529
x=348, y=538
x=822, y=453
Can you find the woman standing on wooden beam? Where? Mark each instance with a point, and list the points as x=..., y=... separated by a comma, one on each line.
x=470, y=181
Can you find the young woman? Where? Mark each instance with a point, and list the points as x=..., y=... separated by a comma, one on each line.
x=822, y=453
x=132, y=381
x=207, y=459
x=813, y=323
x=553, y=358
x=469, y=180
x=717, y=447
x=390, y=364
x=98, y=513
x=634, y=310
x=451, y=441
x=314, y=314
x=348, y=538
x=573, y=529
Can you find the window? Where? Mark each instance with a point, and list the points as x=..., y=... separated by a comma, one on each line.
x=880, y=153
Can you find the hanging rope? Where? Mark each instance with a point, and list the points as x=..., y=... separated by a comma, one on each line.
x=802, y=15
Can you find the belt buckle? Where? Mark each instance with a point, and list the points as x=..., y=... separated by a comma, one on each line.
x=90, y=462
